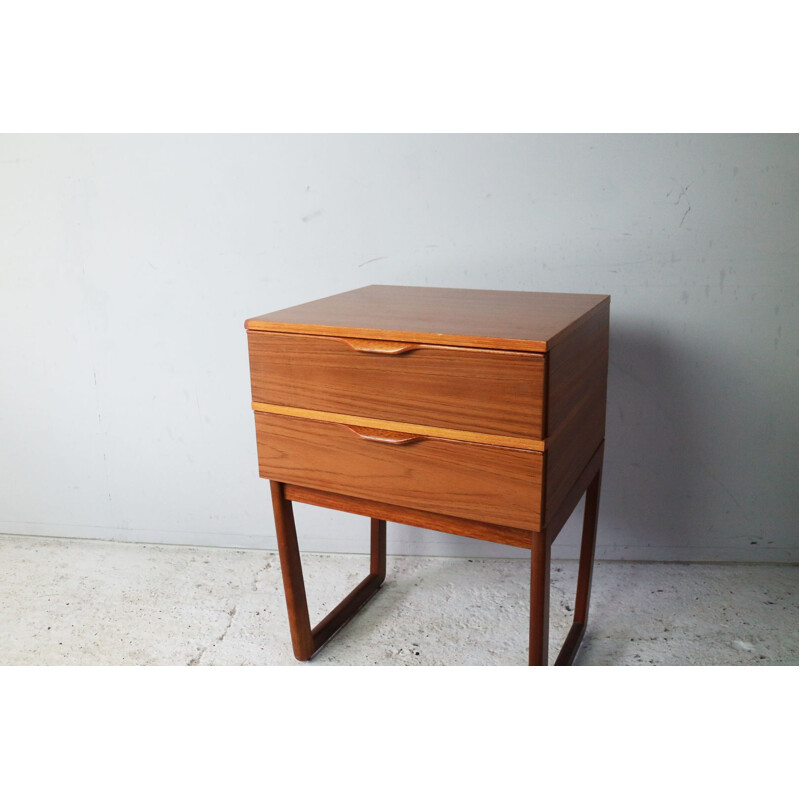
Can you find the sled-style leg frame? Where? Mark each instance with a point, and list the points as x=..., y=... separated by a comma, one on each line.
x=306, y=641
x=540, y=586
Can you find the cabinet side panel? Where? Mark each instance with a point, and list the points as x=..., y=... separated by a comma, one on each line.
x=578, y=373
x=575, y=366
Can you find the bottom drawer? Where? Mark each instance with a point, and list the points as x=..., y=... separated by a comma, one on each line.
x=502, y=485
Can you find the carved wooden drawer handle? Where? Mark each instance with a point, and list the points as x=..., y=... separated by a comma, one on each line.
x=385, y=437
x=379, y=347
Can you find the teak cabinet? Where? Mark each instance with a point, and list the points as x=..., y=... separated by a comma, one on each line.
x=478, y=413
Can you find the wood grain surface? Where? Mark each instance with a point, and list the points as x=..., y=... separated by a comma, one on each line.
x=402, y=427
x=576, y=410
x=576, y=368
x=484, y=531
x=486, y=391
x=498, y=485
x=523, y=321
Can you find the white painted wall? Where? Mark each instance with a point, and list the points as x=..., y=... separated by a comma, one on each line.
x=129, y=263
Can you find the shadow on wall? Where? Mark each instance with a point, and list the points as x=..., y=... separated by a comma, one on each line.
x=646, y=482
x=646, y=436
x=695, y=457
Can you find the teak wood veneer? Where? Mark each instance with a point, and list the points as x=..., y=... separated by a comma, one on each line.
x=479, y=413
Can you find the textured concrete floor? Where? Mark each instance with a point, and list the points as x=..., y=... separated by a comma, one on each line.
x=70, y=602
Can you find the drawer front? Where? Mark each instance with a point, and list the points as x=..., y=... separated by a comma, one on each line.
x=486, y=391
x=501, y=485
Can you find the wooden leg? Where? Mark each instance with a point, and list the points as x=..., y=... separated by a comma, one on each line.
x=540, y=600
x=573, y=641
x=292, y=571
x=305, y=640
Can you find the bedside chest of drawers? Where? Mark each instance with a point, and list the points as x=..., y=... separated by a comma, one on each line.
x=478, y=413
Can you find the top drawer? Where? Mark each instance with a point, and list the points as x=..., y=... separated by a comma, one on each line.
x=487, y=391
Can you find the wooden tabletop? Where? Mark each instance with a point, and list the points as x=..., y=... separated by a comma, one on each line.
x=529, y=321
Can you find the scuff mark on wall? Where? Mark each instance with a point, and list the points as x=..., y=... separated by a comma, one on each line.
x=371, y=261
